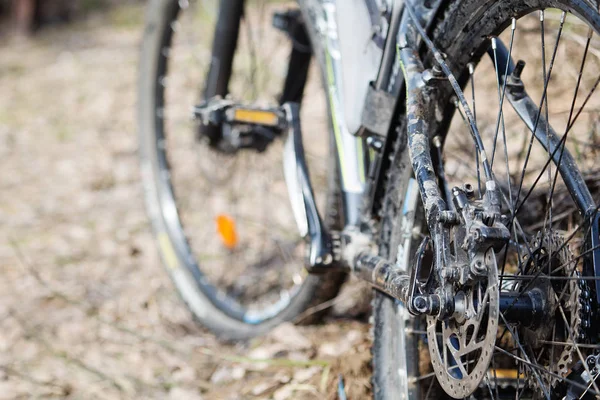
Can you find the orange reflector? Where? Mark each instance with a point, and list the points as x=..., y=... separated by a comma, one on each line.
x=259, y=117
x=226, y=231
x=504, y=373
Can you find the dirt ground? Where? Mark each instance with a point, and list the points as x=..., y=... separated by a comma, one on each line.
x=86, y=310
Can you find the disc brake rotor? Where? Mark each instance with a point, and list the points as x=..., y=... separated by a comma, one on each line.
x=461, y=347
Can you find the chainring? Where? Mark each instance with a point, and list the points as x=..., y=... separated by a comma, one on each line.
x=550, y=253
x=461, y=360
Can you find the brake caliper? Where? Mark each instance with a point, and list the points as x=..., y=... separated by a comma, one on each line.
x=462, y=337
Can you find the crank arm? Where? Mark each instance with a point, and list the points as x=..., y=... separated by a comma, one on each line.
x=304, y=207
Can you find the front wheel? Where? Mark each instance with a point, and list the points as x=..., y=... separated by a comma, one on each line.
x=550, y=245
x=222, y=221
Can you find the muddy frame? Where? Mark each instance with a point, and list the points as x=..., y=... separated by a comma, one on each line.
x=409, y=24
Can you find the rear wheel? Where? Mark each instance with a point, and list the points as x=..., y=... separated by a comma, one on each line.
x=223, y=222
x=550, y=244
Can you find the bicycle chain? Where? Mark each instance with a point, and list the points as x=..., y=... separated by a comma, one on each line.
x=336, y=246
x=585, y=312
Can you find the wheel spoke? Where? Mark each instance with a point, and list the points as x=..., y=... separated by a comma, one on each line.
x=500, y=120
x=527, y=361
x=536, y=367
x=487, y=383
x=430, y=386
x=553, y=182
x=583, y=254
x=587, y=98
x=502, y=91
x=581, y=345
x=495, y=377
x=471, y=67
x=571, y=120
x=550, y=190
x=539, y=111
x=518, y=395
x=550, y=278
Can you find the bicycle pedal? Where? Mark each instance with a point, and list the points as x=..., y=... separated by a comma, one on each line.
x=218, y=111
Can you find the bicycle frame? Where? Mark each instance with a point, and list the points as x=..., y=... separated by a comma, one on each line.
x=361, y=180
x=350, y=150
x=360, y=161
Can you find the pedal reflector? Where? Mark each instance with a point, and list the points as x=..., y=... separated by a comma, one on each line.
x=226, y=231
x=503, y=374
x=256, y=117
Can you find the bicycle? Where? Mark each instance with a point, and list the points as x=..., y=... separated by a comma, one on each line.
x=486, y=264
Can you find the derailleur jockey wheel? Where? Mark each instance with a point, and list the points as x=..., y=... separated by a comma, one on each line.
x=461, y=346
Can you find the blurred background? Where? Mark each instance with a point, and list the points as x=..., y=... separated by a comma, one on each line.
x=86, y=310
